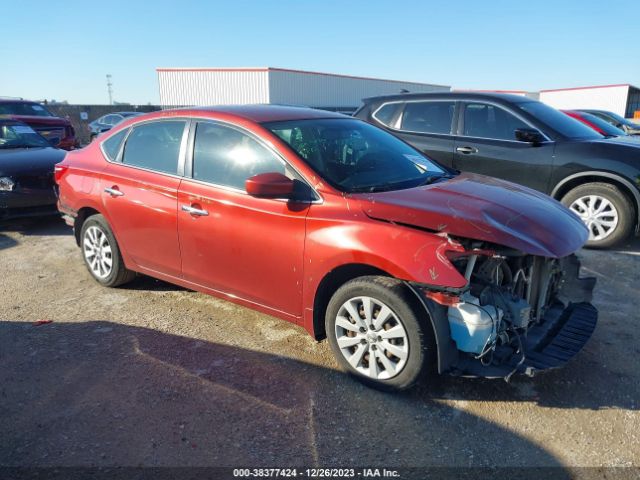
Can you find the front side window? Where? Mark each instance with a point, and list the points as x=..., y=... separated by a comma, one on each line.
x=155, y=146
x=225, y=156
x=355, y=156
x=428, y=117
x=482, y=120
x=111, y=146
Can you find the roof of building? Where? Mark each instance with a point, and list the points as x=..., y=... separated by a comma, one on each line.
x=590, y=87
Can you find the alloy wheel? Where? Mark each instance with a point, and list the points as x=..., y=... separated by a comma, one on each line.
x=97, y=252
x=598, y=213
x=371, y=338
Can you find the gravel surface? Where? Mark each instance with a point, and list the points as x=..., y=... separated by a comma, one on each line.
x=151, y=374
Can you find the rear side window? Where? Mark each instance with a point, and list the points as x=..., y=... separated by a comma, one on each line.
x=111, y=146
x=428, y=117
x=386, y=113
x=226, y=156
x=155, y=145
x=488, y=121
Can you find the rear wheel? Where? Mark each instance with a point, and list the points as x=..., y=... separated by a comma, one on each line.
x=101, y=253
x=377, y=331
x=605, y=210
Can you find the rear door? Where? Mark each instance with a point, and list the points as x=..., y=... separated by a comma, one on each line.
x=427, y=125
x=487, y=145
x=247, y=247
x=140, y=194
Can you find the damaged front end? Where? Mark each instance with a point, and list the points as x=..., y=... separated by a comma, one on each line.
x=519, y=313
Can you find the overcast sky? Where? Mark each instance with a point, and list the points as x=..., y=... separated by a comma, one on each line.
x=63, y=50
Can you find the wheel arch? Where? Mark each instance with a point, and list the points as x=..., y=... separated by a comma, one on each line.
x=81, y=217
x=577, y=179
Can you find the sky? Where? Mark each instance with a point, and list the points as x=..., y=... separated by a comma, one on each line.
x=64, y=53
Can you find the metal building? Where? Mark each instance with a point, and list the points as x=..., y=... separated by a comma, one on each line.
x=623, y=99
x=224, y=86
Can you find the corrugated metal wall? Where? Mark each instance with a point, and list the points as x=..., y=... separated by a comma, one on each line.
x=242, y=86
x=204, y=87
x=612, y=98
x=322, y=90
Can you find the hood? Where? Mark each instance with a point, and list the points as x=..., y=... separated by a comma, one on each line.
x=38, y=120
x=483, y=208
x=29, y=161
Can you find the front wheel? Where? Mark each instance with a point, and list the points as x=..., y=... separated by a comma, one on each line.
x=605, y=210
x=377, y=332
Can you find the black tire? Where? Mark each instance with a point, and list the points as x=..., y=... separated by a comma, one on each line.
x=119, y=274
x=620, y=202
x=407, y=310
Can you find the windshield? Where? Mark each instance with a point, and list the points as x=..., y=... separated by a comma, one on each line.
x=354, y=156
x=603, y=125
x=622, y=120
x=558, y=121
x=24, y=108
x=15, y=135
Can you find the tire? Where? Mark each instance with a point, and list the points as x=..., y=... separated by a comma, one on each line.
x=101, y=253
x=613, y=223
x=414, y=340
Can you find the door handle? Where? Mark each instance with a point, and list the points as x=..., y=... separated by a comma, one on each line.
x=195, y=211
x=114, y=192
x=466, y=150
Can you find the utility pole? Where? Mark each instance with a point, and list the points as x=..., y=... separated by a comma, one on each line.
x=109, y=89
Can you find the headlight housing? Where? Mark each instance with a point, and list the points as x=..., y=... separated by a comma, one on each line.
x=6, y=184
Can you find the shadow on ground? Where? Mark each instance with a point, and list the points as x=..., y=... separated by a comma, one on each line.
x=99, y=393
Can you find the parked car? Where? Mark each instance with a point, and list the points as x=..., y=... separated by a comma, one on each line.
x=105, y=122
x=334, y=224
x=55, y=129
x=524, y=141
x=26, y=171
x=616, y=120
x=596, y=123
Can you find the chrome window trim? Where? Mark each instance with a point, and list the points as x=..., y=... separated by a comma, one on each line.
x=104, y=153
x=398, y=122
x=461, y=101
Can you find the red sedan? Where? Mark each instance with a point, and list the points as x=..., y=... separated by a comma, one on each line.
x=338, y=226
x=596, y=123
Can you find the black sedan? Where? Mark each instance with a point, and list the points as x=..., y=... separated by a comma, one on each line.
x=527, y=142
x=26, y=171
x=106, y=122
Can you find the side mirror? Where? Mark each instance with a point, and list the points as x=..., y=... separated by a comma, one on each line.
x=269, y=185
x=529, y=135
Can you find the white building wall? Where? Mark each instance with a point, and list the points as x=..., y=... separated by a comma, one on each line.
x=219, y=86
x=613, y=98
x=325, y=90
x=188, y=87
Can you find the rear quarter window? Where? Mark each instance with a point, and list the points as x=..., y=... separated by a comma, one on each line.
x=155, y=146
x=111, y=146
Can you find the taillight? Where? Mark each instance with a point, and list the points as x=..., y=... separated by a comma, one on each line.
x=59, y=171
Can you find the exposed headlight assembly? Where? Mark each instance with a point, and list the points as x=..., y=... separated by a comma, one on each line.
x=6, y=184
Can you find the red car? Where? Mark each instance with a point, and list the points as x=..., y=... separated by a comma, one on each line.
x=338, y=226
x=55, y=129
x=598, y=124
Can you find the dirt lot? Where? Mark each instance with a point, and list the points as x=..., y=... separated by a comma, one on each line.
x=152, y=374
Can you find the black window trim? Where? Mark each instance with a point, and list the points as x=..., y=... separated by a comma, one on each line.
x=463, y=107
x=188, y=166
x=400, y=116
x=181, y=152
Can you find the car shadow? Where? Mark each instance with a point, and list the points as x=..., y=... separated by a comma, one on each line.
x=101, y=394
x=7, y=242
x=48, y=225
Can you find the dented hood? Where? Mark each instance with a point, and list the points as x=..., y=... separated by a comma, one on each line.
x=483, y=208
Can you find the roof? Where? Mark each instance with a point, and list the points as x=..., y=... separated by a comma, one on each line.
x=16, y=100
x=254, y=113
x=590, y=87
x=287, y=70
x=504, y=97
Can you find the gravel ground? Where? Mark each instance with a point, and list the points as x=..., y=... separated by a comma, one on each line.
x=154, y=375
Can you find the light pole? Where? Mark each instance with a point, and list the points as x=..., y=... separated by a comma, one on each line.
x=109, y=89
